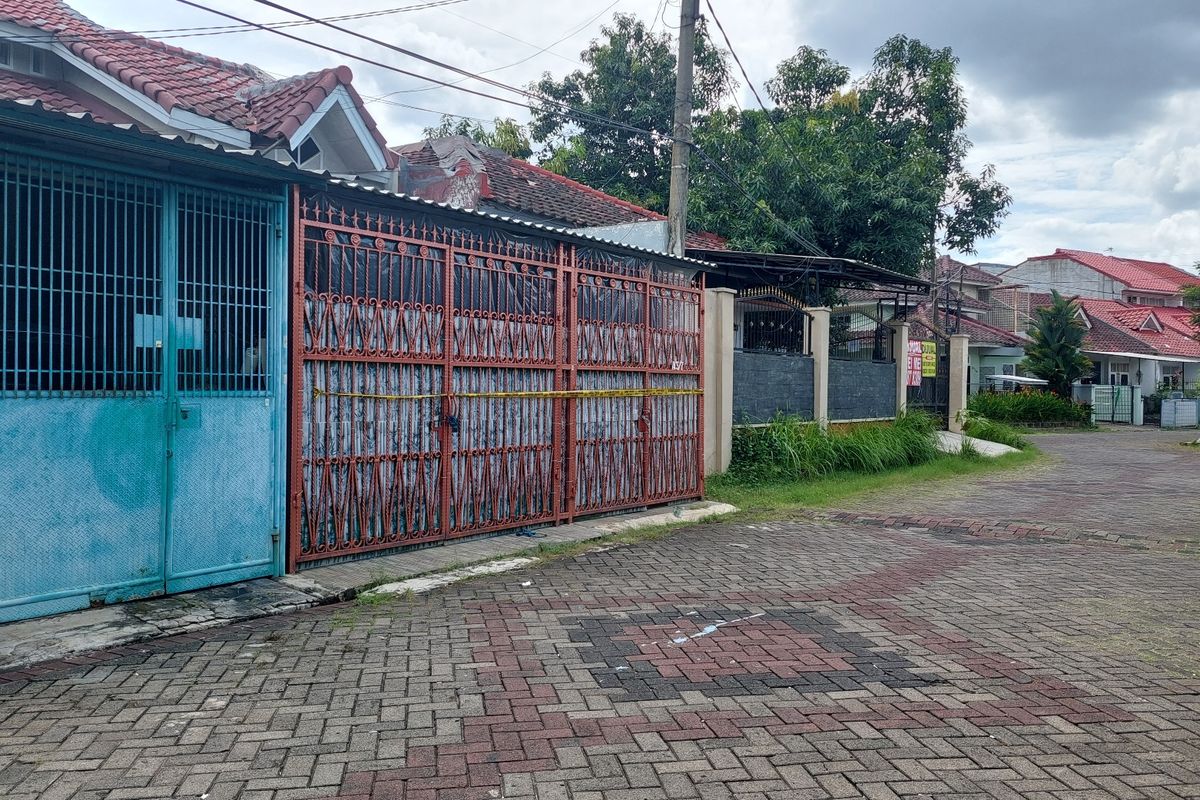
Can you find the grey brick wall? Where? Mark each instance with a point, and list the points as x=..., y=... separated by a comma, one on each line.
x=861, y=390
x=766, y=383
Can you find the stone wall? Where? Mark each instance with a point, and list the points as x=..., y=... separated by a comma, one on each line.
x=861, y=390
x=767, y=383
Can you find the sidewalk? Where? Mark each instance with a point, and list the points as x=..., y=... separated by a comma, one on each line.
x=66, y=636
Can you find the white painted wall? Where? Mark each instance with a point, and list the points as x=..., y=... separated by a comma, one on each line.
x=1066, y=276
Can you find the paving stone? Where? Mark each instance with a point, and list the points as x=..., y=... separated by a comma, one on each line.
x=832, y=657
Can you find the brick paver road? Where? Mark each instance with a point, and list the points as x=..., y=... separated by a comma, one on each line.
x=770, y=660
x=1128, y=480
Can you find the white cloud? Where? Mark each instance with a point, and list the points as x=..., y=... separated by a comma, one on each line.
x=1100, y=145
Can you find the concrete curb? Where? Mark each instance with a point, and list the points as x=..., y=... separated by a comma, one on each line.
x=62, y=638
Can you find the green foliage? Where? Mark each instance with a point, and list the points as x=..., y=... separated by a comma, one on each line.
x=869, y=169
x=791, y=449
x=1191, y=299
x=807, y=81
x=629, y=77
x=1018, y=408
x=504, y=134
x=1054, y=352
x=980, y=427
x=768, y=500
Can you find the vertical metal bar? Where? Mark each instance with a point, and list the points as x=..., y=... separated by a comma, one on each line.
x=558, y=405
x=700, y=384
x=168, y=266
x=446, y=474
x=646, y=423
x=570, y=324
x=6, y=204
x=295, y=305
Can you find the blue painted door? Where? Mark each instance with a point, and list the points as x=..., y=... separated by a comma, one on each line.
x=138, y=387
x=221, y=436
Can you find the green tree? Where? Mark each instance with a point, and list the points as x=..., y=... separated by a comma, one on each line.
x=807, y=81
x=503, y=134
x=871, y=169
x=1191, y=298
x=629, y=77
x=913, y=93
x=1054, y=352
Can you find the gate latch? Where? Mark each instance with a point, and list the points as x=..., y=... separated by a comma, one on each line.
x=187, y=416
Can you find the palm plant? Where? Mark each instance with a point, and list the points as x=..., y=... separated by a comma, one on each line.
x=1054, y=354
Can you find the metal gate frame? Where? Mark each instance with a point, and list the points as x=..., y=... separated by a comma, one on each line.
x=933, y=395
x=398, y=437
x=1112, y=403
x=97, y=403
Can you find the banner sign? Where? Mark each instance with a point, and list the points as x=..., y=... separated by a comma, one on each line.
x=928, y=359
x=914, y=363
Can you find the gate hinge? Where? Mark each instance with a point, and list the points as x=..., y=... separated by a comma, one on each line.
x=278, y=231
x=274, y=535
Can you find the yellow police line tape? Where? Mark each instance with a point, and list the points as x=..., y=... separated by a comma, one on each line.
x=549, y=394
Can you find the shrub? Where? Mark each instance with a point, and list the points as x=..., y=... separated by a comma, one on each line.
x=1027, y=407
x=791, y=449
x=992, y=431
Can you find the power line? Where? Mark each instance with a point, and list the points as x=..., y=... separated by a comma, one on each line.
x=529, y=57
x=759, y=206
x=766, y=113
x=214, y=30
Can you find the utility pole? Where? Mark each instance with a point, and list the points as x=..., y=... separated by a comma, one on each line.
x=681, y=147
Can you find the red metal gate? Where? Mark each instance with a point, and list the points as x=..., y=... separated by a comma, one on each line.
x=452, y=377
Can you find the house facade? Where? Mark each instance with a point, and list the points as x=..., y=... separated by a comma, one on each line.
x=1153, y=348
x=1139, y=328
x=142, y=363
x=52, y=55
x=1098, y=276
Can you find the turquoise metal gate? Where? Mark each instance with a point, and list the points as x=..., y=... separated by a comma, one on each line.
x=138, y=387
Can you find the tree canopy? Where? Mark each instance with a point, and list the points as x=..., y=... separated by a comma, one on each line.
x=872, y=168
x=630, y=78
x=503, y=134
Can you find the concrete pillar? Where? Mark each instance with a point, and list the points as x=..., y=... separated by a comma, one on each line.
x=958, y=380
x=819, y=345
x=900, y=354
x=718, y=379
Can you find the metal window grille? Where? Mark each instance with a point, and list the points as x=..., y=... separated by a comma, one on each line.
x=860, y=336
x=222, y=293
x=81, y=280
x=774, y=330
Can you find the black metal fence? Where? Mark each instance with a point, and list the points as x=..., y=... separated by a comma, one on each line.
x=859, y=336
x=933, y=393
x=767, y=329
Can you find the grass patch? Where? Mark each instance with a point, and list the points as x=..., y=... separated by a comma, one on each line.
x=983, y=428
x=775, y=497
x=791, y=449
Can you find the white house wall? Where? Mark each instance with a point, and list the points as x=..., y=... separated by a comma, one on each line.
x=1066, y=276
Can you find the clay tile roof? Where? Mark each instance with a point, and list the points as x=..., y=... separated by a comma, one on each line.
x=1117, y=327
x=1146, y=276
x=174, y=77
x=979, y=332
x=58, y=96
x=949, y=268
x=519, y=185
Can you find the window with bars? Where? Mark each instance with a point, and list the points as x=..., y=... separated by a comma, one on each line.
x=80, y=278
x=774, y=330
x=85, y=284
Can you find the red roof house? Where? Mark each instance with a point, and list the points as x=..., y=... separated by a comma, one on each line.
x=462, y=172
x=1103, y=277
x=53, y=56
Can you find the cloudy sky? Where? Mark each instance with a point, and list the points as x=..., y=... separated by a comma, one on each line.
x=1090, y=109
